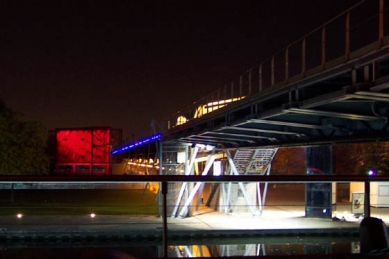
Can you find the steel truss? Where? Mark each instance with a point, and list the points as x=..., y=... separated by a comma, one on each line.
x=241, y=161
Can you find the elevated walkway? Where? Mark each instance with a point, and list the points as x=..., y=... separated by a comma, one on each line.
x=328, y=86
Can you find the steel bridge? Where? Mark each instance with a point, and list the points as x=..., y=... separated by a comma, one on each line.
x=329, y=86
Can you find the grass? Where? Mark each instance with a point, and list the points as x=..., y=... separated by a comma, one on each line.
x=78, y=202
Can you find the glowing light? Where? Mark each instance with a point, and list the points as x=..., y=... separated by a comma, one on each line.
x=209, y=147
x=19, y=216
x=371, y=172
x=144, y=165
x=205, y=147
x=213, y=106
x=181, y=120
x=324, y=211
x=92, y=215
x=217, y=168
x=137, y=144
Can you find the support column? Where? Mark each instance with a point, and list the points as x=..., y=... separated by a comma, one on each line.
x=262, y=202
x=184, y=210
x=241, y=185
x=318, y=196
x=188, y=170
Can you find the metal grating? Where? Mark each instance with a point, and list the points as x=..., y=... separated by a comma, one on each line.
x=253, y=161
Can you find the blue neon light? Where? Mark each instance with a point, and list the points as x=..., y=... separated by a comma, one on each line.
x=137, y=144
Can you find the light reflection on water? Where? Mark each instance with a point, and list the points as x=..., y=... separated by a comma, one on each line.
x=271, y=246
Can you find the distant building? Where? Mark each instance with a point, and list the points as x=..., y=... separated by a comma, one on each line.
x=85, y=151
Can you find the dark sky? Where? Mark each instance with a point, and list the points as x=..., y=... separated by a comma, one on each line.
x=124, y=63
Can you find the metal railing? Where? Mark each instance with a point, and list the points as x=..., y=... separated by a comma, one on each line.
x=165, y=179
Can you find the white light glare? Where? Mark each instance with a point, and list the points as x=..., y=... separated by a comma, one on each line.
x=205, y=147
x=92, y=215
x=209, y=147
x=19, y=216
x=217, y=168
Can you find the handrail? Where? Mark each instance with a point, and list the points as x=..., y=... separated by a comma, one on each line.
x=164, y=179
x=191, y=178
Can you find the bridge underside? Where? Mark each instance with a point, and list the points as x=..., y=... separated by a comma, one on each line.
x=342, y=102
x=349, y=102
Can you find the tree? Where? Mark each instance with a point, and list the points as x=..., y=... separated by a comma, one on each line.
x=373, y=156
x=289, y=161
x=346, y=157
x=22, y=144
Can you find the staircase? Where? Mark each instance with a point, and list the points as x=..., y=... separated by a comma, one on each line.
x=253, y=161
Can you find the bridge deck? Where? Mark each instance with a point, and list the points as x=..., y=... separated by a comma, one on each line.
x=341, y=99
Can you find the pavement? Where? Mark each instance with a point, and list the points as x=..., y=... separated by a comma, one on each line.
x=205, y=223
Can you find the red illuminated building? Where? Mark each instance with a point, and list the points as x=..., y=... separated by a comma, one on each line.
x=85, y=150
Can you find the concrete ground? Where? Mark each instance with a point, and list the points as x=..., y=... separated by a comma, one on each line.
x=278, y=218
x=275, y=220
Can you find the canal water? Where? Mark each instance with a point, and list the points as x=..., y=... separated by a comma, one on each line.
x=225, y=247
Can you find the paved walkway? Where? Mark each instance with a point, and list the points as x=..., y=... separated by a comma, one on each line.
x=275, y=220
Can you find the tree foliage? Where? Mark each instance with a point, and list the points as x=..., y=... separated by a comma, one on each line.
x=22, y=144
x=289, y=161
x=349, y=159
x=360, y=158
x=373, y=156
x=345, y=158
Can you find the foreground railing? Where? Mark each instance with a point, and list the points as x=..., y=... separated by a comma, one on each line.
x=130, y=227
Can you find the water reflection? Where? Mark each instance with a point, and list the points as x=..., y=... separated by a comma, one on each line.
x=225, y=247
x=280, y=246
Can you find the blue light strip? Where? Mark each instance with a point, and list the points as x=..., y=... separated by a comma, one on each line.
x=137, y=144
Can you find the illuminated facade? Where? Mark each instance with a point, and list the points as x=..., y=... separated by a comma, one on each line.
x=85, y=150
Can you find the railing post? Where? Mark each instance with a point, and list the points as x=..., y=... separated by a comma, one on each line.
x=232, y=89
x=286, y=64
x=218, y=99
x=347, y=47
x=323, y=47
x=240, y=85
x=250, y=81
x=272, y=71
x=225, y=92
x=260, y=77
x=366, y=208
x=164, y=219
x=303, y=65
x=206, y=103
x=160, y=172
x=381, y=23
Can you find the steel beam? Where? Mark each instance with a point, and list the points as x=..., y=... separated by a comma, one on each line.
x=188, y=170
x=284, y=123
x=235, y=172
x=262, y=130
x=211, y=159
x=349, y=116
x=239, y=135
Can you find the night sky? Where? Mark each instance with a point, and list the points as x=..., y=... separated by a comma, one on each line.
x=124, y=63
